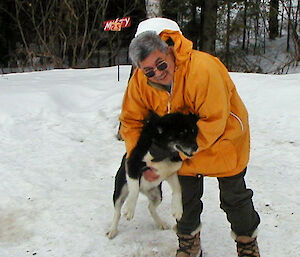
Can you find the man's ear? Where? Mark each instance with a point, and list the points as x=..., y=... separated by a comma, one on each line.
x=170, y=49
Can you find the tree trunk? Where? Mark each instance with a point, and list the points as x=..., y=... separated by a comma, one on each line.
x=193, y=28
x=208, y=24
x=227, y=53
x=245, y=24
x=256, y=26
x=289, y=26
x=281, y=22
x=264, y=24
x=273, y=19
x=296, y=37
x=297, y=15
x=153, y=8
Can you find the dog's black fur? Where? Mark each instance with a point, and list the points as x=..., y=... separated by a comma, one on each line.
x=161, y=140
x=156, y=136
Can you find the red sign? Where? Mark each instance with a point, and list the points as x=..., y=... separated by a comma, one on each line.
x=117, y=24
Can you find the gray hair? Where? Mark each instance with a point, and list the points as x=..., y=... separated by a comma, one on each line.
x=144, y=44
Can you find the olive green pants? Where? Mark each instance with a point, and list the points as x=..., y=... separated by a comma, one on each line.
x=235, y=200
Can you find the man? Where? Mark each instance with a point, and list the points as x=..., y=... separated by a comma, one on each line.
x=172, y=78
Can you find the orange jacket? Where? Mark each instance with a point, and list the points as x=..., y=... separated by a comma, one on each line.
x=202, y=86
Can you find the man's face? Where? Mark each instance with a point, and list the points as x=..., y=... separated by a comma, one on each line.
x=155, y=62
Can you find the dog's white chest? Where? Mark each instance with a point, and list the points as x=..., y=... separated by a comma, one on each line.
x=164, y=168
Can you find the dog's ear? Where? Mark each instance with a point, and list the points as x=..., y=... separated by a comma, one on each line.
x=153, y=116
x=193, y=117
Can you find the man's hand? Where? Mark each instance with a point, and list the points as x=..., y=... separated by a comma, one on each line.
x=150, y=175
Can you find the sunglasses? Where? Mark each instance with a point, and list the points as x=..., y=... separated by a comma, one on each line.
x=161, y=66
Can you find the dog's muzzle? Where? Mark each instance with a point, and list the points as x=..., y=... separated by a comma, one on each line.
x=189, y=152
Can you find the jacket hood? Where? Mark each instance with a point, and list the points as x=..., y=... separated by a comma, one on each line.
x=167, y=29
x=182, y=46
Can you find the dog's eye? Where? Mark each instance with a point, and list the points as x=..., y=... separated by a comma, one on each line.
x=183, y=133
x=194, y=131
x=160, y=130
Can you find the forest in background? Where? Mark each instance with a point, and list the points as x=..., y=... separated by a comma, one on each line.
x=39, y=35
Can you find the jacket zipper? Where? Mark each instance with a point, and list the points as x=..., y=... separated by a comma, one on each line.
x=169, y=105
x=169, y=99
x=239, y=120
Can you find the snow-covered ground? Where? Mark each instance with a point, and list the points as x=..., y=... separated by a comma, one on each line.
x=59, y=154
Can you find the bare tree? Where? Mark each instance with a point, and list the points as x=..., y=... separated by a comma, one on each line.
x=273, y=18
x=227, y=42
x=113, y=38
x=256, y=26
x=292, y=20
x=59, y=33
x=245, y=23
x=289, y=12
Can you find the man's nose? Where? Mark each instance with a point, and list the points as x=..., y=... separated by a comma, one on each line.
x=158, y=72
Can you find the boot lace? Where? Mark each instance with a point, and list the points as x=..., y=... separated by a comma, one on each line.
x=248, y=249
x=189, y=244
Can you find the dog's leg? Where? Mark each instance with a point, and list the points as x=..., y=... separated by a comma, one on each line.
x=117, y=214
x=176, y=204
x=133, y=193
x=154, y=196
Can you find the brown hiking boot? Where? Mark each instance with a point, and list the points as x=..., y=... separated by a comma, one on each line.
x=189, y=246
x=247, y=249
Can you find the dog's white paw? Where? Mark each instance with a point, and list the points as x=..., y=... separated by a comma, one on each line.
x=129, y=212
x=177, y=209
x=163, y=226
x=112, y=233
x=177, y=214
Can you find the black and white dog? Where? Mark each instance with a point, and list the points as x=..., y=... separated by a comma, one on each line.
x=158, y=148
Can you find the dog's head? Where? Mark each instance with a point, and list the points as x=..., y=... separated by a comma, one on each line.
x=177, y=132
